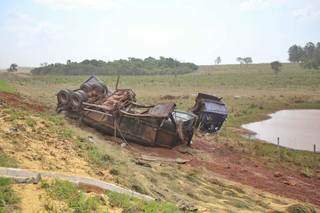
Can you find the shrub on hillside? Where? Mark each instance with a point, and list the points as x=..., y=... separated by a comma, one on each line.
x=132, y=66
x=275, y=66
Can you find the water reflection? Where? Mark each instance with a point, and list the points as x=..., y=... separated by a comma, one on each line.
x=297, y=129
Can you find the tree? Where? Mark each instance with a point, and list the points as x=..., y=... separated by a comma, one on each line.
x=275, y=66
x=218, y=60
x=150, y=60
x=240, y=60
x=309, y=49
x=312, y=56
x=317, y=54
x=13, y=68
x=308, y=56
x=296, y=54
x=247, y=60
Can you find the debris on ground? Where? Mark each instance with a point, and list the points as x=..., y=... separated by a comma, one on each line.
x=187, y=207
x=163, y=159
x=142, y=163
x=277, y=174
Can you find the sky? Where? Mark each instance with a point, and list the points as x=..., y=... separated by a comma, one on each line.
x=39, y=31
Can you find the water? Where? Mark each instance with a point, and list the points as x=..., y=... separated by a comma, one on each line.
x=297, y=129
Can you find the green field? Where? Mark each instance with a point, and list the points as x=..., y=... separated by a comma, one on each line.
x=250, y=91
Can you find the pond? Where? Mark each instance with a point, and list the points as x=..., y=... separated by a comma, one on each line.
x=296, y=129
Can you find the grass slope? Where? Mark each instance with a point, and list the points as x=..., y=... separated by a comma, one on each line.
x=4, y=87
x=8, y=198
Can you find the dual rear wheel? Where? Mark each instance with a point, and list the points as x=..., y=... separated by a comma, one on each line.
x=71, y=100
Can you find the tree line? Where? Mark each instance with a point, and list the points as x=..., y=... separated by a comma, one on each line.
x=308, y=56
x=130, y=66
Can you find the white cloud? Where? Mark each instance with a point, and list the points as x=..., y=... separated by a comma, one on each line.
x=309, y=9
x=78, y=4
x=27, y=30
x=251, y=5
x=307, y=12
x=155, y=37
x=29, y=40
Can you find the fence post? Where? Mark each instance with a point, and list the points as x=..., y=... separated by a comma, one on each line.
x=278, y=147
x=314, y=148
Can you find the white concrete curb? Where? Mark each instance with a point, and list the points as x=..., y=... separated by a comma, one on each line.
x=17, y=174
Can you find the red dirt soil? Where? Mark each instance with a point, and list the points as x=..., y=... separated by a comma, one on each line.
x=16, y=100
x=236, y=166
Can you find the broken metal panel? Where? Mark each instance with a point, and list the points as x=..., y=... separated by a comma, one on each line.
x=183, y=116
x=184, y=123
x=215, y=107
x=208, y=97
x=133, y=126
x=93, y=84
x=162, y=110
x=166, y=138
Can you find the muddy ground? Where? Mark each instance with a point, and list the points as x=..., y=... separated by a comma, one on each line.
x=236, y=166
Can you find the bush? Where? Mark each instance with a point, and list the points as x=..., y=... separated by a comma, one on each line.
x=276, y=65
x=132, y=66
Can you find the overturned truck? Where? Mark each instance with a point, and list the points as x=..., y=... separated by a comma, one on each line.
x=117, y=113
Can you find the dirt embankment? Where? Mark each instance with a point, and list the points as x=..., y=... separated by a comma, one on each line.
x=279, y=179
x=15, y=100
x=224, y=160
x=34, y=142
